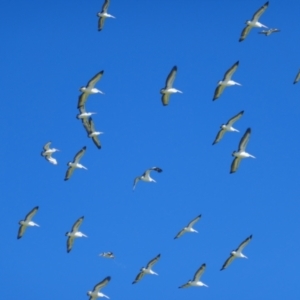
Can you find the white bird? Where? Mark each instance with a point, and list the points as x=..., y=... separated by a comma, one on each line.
x=83, y=114
x=269, y=32
x=237, y=253
x=168, y=89
x=96, y=290
x=196, y=280
x=103, y=15
x=147, y=270
x=89, y=89
x=254, y=22
x=107, y=254
x=226, y=81
x=74, y=233
x=47, y=153
x=239, y=155
x=92, y=133
x=228, y=127
x=75, y=164
x=146, y=176
x=27, y=222
x=297, y=78
x=188, y=228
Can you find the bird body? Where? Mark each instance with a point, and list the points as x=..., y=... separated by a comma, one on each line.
x=103, y=15
x=146, y=176
x=95, y=293
x=196, y=280
x=74, y=233
x=75, y=164
x=188, y=228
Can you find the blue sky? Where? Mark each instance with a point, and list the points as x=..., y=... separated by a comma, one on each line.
x=50, y=49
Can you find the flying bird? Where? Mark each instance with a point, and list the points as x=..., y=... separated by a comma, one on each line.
x=188, y=228
x=227, y=127
x=254, y=22
x=146, y=176
x=196, y=280
x=83, y=114
x=168, y=89
x=226, y=81
x=75, y=164
x=92, y=133
x=269, y=32
x=103, y=15
x=96, y=290
x=74, y=233
x=239, y=155
x=107, y=254
x=47, y=153
x=147, y=270
x=237, y=253
x=297, y=78
x=89, y=89
x=27, y=222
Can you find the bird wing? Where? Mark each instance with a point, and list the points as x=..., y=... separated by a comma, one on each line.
x=297, y=77
x=165, y=99
x=79, y=155
x=259, y=12
x=219, y=136
x=147, y=172
x=235, y=164
x=70, y=242
x=82, y=99
x=21, y=231
x=77, y=224
x=171, y=77
x=186, y=285
x=138, y=277
x=245, y=32
x=152, y=262
x=69, y=173
x=263, y=32
x=191, y=224
x=228, y=261
x=101, y=284
x=199, y=272
x=92, y=125
x=179, y=234
x=218, y=91
x=136, y=180
x=46, y=146
x=235, y=118
x=96, y=141
x=101, y=23
x=94, y=80
x=230, y=71
x=244, y=140
x=52, y=160
x=30, y=215
x=105, y=6
x=82, y=109
x=244, y=244
x=275, y=30
x=86, y=125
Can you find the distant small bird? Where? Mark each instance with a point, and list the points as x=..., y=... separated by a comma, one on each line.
x=254, y=22
x=226, y=81
x=228, y=127
x=47, y=153
x=239, y=155
x=92, y=133
x=188, y=228
x=269, y=32
x=27, y=222
x=96, y=290
x=107, y=254
x=89, y=89
x=103, y=15
x=147, y=270
x=237, y=253
x=297, y=78
x=74, y=233
x=146, y=176
x=75, y=164
x=168, y=89
x=196, y=280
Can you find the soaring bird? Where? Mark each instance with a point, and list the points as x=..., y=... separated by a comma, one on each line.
x=196, y=280
x=103, y=15
x=188, y=228
x=75, y=164
x=269, y=32
x=27, y=222
x=95, y=293
x=74, y=233
x=146, y=176
x=92, y=133
x=47, y=153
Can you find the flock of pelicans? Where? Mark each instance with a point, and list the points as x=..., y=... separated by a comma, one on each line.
x=89, y=126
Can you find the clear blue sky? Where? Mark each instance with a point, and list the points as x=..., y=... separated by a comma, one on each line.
x=50, y=49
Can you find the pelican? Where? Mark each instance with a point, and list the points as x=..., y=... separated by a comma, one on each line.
x=226, y=81
x=92, y=133
x=103, y=15
x=239, y=155
x=228, y=127
x=27, y=222
x=89, y=89
x=297, y=78
x=269, y=32
x=74, y=233
x=147, y=270
x=75, y=164
x=168, y=89
x=96, y=290
x=196, y=282
x=146, y=176
x=237, y=253
x=83, y=114
x=188, y=228
x=254, y=22
x=107, y=254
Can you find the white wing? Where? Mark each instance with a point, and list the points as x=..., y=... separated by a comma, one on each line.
x=245, y=32
x=244, y=244
x=244, y=140
x=230, y=71
x=94, y=80
x=152, y=262
x=228, y=261
x=136, y=180
x=199, y=272
x=69, y=173
x=101, y=23
x=235, y=164
x=46, y=146
x=235, y=118
x=171, y=77
x=105, y=6
x=218, y=91
x=79, y=155
x=101, y=284
x=30, y=215
x=77, y=224
x=259, y=12
x=70, y=242
x=82, y=99
x=165, y=99
x=219, y=136
x=191, y=224
x=138, y=277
